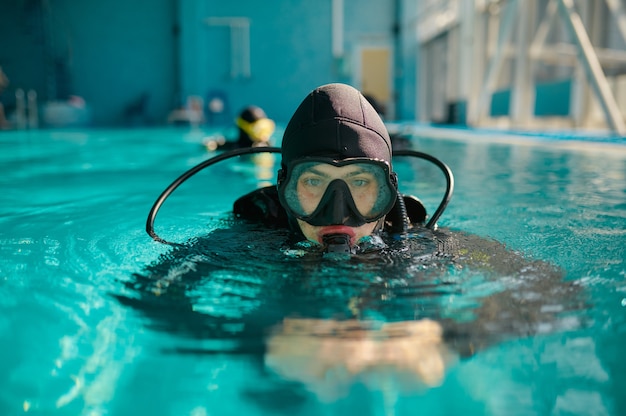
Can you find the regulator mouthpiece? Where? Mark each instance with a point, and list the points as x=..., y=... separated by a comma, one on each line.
x=337, y=243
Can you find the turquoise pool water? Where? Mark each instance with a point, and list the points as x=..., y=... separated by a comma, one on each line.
x=96, y=318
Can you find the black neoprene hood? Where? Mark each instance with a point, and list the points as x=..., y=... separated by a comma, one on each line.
x=335, y=121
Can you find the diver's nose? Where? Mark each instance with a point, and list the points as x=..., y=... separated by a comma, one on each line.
x=335, y=211
x=337, y=207
x=343, y=211
x=339, y=211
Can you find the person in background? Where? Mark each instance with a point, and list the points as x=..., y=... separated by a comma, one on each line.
x=254, y=127
x=4, y=82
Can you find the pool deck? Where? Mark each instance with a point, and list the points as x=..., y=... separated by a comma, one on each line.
x=579, y=139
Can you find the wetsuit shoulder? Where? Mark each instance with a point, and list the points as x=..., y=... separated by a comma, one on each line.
x=262, y=205
x=408, y=211
x=415, y=209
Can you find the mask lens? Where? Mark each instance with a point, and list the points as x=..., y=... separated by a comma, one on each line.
x=367, y=183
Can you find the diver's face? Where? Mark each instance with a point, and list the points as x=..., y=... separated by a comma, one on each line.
x=364, y=188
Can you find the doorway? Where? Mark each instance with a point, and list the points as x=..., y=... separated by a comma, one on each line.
x=376, y=78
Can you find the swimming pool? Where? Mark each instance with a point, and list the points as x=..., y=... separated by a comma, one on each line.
x=87, y=331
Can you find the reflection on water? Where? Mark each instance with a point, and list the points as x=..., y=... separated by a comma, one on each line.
x=329, y=356
x=400, y=317
x=259, y=166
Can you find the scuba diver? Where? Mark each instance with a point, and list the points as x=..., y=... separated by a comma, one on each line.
x=336, y=184
x=254, y=128
x=336, y=187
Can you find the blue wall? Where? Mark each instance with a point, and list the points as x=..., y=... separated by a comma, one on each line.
x=290, y=52
x=106, y=52
x=124, y=52
x=22, y=42
x=551, y=99
x=406, y=58
x=110, y=53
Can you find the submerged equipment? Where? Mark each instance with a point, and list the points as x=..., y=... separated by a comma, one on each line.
x=337, y=243
x=332, y=238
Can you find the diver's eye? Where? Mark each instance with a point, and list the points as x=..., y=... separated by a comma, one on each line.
x=359, y=183
x=311, y=181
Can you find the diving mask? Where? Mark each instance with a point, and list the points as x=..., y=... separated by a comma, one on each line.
x=350, y=192
x=259, y=130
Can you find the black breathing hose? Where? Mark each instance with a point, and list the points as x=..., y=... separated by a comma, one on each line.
x=403, y=223
x=399, y=217
x=182, y=178
x=449, y=181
